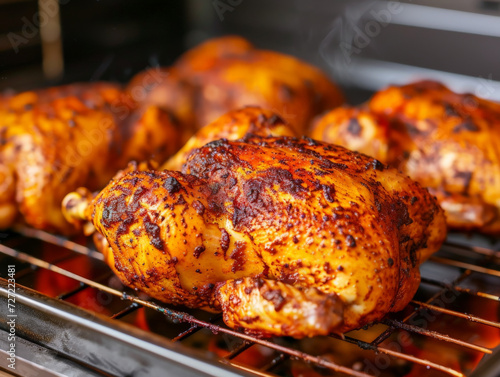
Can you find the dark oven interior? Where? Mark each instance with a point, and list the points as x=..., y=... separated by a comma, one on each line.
x=74, y=316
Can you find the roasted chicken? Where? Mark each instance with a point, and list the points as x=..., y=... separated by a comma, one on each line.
x=285, y=236
x=55, y=140
x=448, y=142
x=228, y=73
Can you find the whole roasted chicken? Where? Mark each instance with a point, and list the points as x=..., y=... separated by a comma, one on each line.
x=285, y=236
x=228, y=73
x=57, y=139
x=448, y=142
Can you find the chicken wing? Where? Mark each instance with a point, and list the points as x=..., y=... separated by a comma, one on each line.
x=448, y=142
x=285, y=236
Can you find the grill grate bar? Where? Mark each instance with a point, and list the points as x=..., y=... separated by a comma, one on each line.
x=81, y=287
x=256, y=372
x=51, y=267
x=275, y=362
x=390, y=330
x=466, y=316
x=25, y=271
x=57, y=240
x=475, y=249
x=63, y=259
x=129, y=309
x=66, y=295
x=457, y=288
x=193, y=329
x=239, y=349
x=467, y=266
x=404, y=356
x=435, y=335
x=186, y=333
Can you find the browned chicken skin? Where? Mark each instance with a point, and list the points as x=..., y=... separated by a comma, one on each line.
x=285, y=236
x=55, y=140
x=232, y=126
x=448, y=142
x=228, y=73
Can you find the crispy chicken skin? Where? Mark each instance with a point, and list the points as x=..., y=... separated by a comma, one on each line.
x=227, y=73
x=448, y=142
x=57, y=139
x=285, y=236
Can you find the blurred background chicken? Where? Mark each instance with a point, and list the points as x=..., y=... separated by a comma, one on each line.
x=228, y=73
x=285, y=236
x=57, y=139
x=448, y=142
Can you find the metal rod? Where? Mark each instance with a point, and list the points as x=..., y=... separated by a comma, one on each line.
x=129, y=309
x=400, y=355
x=51, y=267
x=186, y=333
x=25, y=271
x=469, y=317
x=57, y=240
x=390, y=330
x=475, y=249
x=467, y=266
x=66, y=295
x=477, y=293
x=254, y=371
x=457, y=288
x=238, y=350
x=193, y=329
x=275, y=362
x=435, y=335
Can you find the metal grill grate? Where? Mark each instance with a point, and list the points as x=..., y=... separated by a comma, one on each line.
x=463, y=262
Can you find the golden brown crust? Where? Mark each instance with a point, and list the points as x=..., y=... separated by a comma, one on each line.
x=228, y=73
x=232, y=126
x=448, y=142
